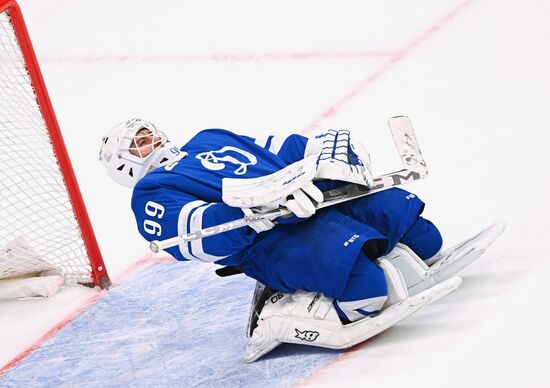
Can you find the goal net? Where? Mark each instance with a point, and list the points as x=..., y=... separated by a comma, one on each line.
x=44, y=226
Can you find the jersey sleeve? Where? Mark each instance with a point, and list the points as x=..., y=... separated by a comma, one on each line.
x=289, y=148
x=163, y=213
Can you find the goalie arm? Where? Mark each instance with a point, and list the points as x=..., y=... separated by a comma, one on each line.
x=163, y=213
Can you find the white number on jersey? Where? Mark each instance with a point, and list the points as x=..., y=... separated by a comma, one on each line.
x=153, y=209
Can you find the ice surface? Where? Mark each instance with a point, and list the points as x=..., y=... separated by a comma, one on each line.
x=472, y=76
x=173, y=324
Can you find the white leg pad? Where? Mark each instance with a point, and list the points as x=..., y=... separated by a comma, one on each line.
x=447, y=263
x=310, y=319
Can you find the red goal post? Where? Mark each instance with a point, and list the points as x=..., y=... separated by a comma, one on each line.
x=22, y=85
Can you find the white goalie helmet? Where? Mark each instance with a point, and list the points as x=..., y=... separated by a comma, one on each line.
x=128, y=156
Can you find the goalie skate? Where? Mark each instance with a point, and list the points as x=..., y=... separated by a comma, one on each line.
x=329, y=332
x=446, y=264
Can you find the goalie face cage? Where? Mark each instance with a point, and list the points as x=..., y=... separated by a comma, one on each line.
x=43, y=220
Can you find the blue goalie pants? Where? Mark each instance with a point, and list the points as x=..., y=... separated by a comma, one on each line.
x=333, y=251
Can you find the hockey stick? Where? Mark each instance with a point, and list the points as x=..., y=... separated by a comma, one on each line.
x=414, y=168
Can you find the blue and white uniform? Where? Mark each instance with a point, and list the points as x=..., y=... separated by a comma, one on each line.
x=326, y=253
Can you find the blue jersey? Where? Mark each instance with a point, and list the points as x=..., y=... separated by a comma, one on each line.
x=186, y=196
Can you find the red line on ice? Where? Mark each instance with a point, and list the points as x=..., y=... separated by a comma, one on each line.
x=71, y=317
x=398, y=56
x=146, y=260
x=221, y=57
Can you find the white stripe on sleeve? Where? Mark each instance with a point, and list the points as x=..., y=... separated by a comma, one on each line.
x=196, y=245
x=183, y=220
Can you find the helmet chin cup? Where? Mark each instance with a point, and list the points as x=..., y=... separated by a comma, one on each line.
x=125, y=168
x=163, y=155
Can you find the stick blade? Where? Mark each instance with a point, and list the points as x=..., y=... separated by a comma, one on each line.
x=407, y=145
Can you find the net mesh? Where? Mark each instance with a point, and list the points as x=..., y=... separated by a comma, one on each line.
x=36, y=214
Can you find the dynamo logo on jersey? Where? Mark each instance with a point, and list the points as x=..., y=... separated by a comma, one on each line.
x=216, y=160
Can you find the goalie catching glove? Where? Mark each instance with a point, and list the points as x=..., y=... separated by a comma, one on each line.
x=340, y=158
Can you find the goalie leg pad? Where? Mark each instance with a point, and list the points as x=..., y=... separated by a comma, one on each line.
x=455, y=259
x=419, y=276
x=310, y=319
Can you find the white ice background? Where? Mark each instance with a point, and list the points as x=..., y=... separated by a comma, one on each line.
x=472, y=75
